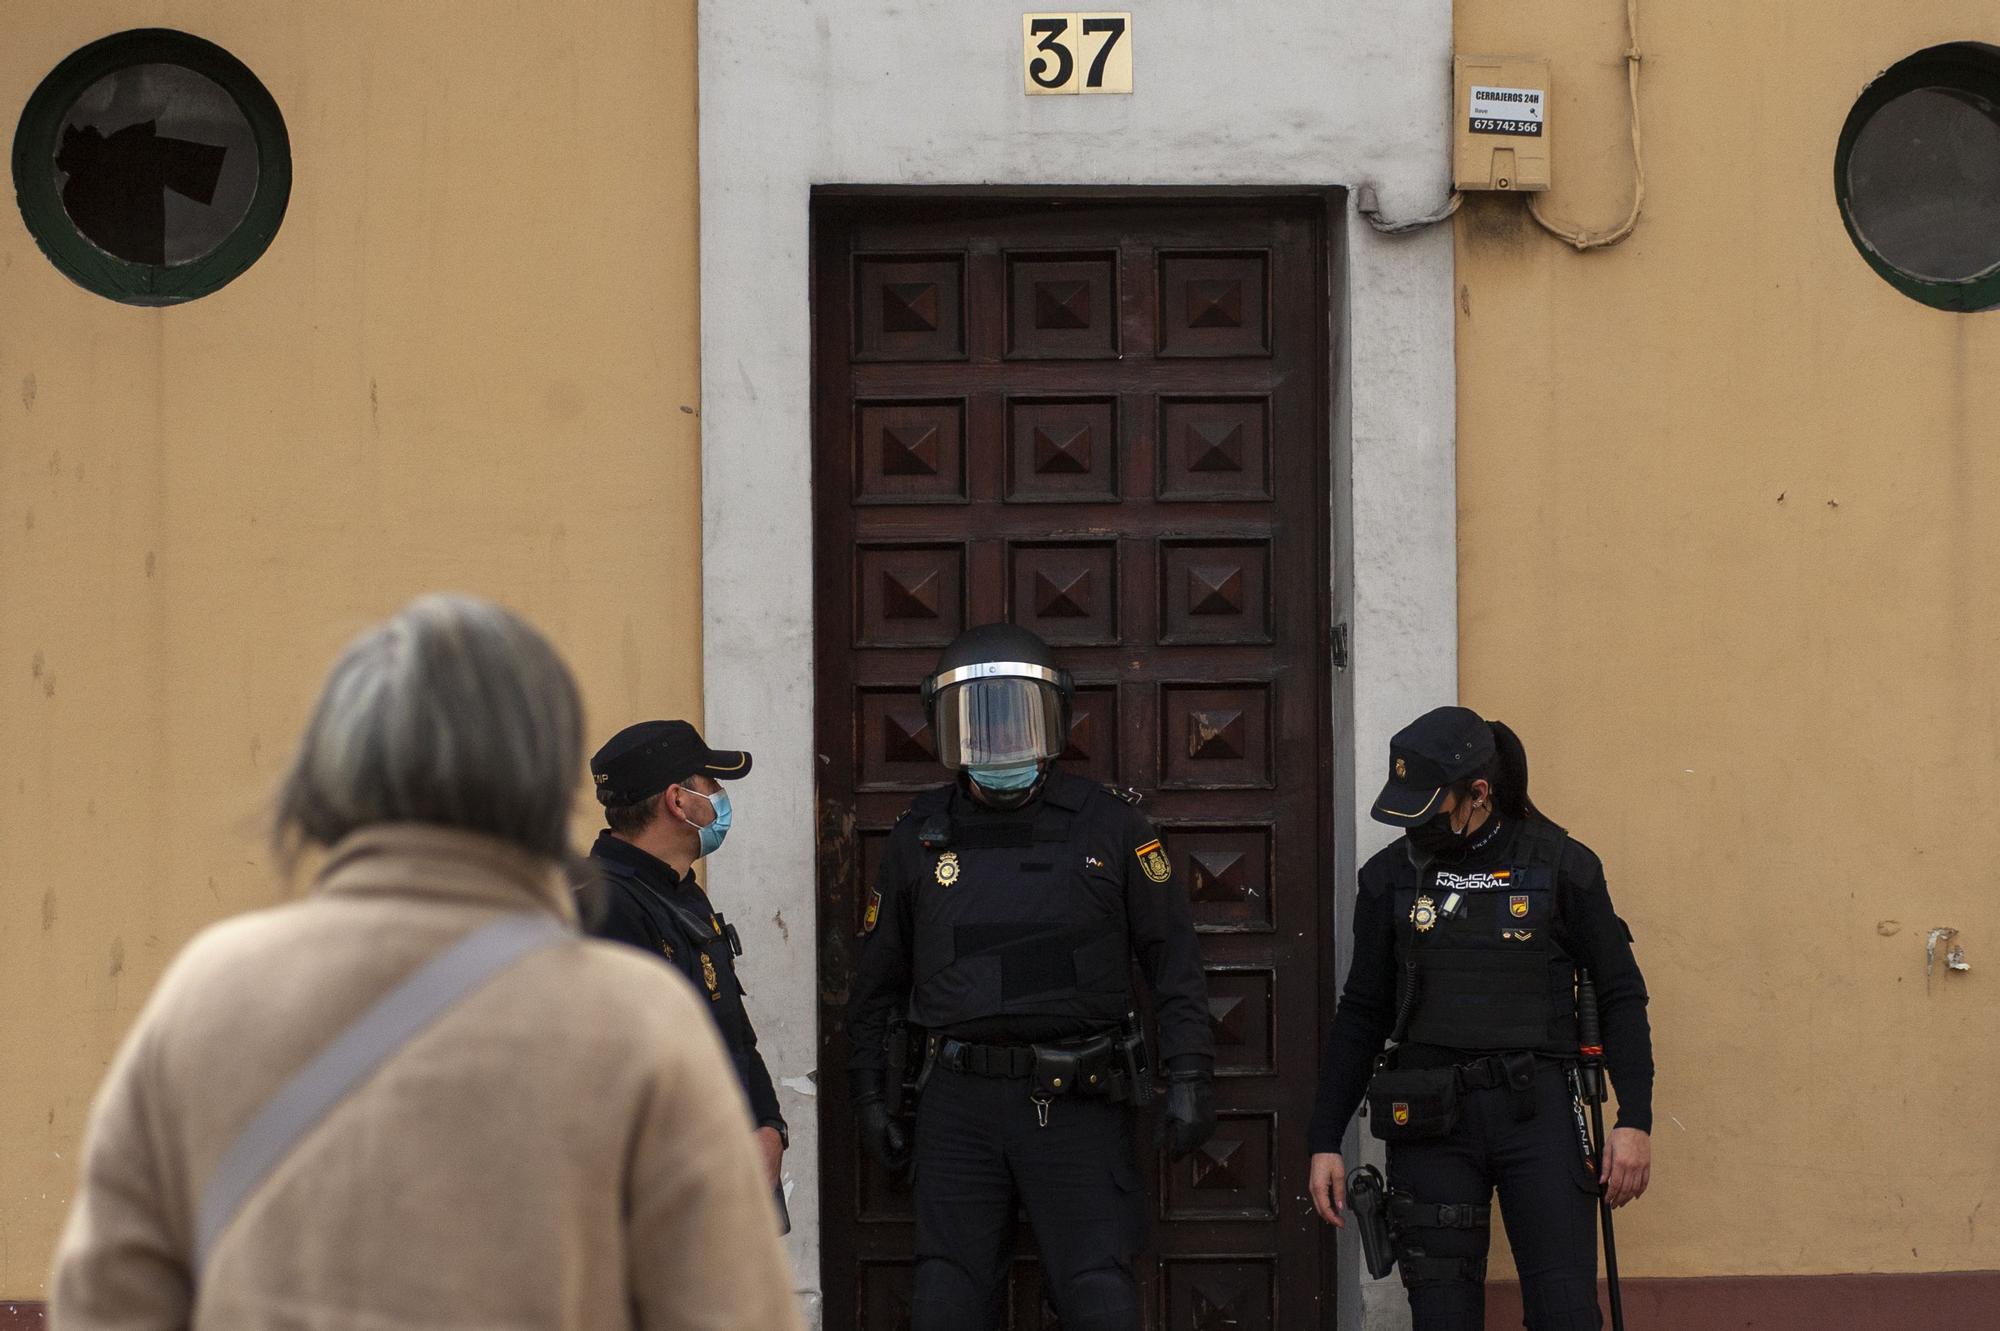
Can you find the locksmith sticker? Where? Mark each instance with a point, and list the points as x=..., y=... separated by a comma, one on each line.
x=1517, y=906
x=1400, y=1111
x=1506, y=111
x=1154, y=861
x=947, y=868
x=874, y=913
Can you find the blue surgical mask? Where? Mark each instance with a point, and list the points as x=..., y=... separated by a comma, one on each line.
x=1007, y=779
x=713, y=834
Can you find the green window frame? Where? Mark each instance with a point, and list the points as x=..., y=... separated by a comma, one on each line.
x=41, y=202
x=1971, y=66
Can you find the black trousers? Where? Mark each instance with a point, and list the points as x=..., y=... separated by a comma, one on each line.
x=1548, y=1199
x=980, y=1153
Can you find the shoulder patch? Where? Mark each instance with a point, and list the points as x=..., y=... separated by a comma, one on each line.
x=1153, y=861
x=1126, y=793
x=874, y=912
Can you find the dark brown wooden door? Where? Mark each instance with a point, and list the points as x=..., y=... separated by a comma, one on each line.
x=1105, y=421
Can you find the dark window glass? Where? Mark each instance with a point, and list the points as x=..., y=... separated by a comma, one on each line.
x=1917, y=173
x=1925, y=182
x=152, y=166
x=156, y=164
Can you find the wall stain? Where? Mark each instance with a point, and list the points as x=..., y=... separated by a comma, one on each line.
x=117, y=957
x=29, y=519
x=152, y=562
x=55, y=463
x=35, y=667
x=374, y=408
x=28, y=391
x=48, y=910
x=778, y=918
x=1465, y=300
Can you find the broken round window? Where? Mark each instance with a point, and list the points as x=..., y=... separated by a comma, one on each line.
x=1917, y=173
x=152, y=167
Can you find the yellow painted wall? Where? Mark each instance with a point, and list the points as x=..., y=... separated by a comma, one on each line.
x=468, y=362
x=1730, y=512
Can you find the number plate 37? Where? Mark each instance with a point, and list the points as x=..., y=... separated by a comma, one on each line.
x=1076, y=53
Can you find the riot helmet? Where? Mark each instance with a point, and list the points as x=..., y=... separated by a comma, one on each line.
x=998, y=700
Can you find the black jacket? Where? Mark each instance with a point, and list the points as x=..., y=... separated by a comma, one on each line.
x=1585, y=927
x=1024, y=928
x=658, y=911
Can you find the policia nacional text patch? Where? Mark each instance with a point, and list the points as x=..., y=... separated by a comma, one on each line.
x=1154, y=861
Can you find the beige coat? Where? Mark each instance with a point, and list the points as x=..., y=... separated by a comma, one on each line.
x=564, y=1149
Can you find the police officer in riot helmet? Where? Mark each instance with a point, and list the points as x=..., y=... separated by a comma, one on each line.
x=1003, y=925
x=1471, y=932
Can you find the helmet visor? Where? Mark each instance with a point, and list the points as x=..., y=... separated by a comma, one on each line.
x=997, y=722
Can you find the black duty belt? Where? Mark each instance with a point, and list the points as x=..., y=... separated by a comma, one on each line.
x=987, y=1060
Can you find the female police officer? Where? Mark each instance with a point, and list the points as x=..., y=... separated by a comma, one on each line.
x=1468, y=934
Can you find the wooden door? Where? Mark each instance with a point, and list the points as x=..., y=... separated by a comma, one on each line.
x=1106, y=421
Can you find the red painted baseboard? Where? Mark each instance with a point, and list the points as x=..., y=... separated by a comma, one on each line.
x=1789, y=1303
x=22, y=1316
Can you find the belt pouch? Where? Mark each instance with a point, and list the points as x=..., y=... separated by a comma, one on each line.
x=1414, y=1105
x=1057, y=1072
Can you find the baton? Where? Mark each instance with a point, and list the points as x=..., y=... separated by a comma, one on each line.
x=1591, y=1046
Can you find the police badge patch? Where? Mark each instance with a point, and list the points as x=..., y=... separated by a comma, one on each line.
x=708, y=978
x=1400, y=1111
x=1154, y=861
x=947, y=868
x=1517, y=906
x=1424, y=914
x=874, y=912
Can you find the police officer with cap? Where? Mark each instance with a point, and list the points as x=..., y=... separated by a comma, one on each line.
x=665, y=808
x=1471, y=931
x=1004, y=921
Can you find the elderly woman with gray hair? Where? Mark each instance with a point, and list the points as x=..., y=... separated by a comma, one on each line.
x=417, y=1097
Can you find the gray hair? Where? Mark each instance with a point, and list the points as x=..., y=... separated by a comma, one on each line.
x=454, y=712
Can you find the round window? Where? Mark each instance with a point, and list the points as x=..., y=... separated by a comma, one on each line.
x=1917, y=174
x=152, y=167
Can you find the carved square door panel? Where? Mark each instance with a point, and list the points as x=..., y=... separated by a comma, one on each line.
x=1106, y=421
x=909, y=307
x=1213, y=449
x=1062, y=450
x=1062, y=306
x=909, y=452
x=1214, y=305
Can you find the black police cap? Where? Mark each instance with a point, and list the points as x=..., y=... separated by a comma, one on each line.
x=641, y=761
x=1439, y=748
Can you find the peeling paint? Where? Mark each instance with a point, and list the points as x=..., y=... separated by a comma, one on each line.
x=803, y=1085
x=29, y=389
x=1888, y=928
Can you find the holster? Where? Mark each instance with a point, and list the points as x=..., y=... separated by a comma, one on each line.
x=901, y=1092
x=1137, y=1061
x=1364, y=1192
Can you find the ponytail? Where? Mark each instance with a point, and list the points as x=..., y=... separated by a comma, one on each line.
x=1510, y=774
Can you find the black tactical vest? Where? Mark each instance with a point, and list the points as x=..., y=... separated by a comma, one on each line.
x=1477, y=960
x=1021, y=914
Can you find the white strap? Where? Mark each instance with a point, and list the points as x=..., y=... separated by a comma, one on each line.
x=397, y=1018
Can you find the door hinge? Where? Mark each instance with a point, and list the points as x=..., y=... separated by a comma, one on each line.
x=1340, y=646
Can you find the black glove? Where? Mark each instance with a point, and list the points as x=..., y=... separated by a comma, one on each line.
x=1189, y=1116
x=883, y=1136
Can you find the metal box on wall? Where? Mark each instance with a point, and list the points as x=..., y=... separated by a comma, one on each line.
x=1500, y=128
